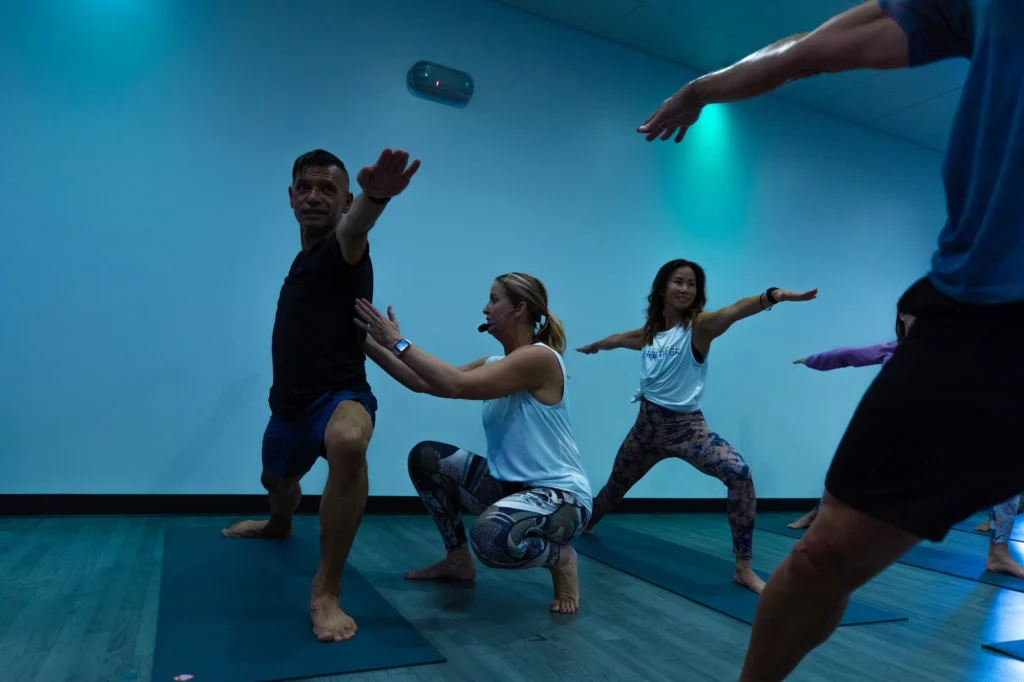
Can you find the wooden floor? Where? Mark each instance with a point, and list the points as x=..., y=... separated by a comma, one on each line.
x=79, y=598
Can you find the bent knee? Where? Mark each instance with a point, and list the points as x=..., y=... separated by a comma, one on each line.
x=488, y=542
x=345, y=445
x=814, y=559
x=423, y=457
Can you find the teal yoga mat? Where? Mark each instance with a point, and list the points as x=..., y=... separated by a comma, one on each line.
x=692, y=574
x=927, y=555
x=238, y=610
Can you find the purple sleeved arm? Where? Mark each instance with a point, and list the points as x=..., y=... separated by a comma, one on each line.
x=851, y=357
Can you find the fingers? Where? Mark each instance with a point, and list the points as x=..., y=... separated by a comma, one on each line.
x=411, y=170
x=391, y=315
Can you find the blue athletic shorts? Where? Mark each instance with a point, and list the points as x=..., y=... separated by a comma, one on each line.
x=292, y=446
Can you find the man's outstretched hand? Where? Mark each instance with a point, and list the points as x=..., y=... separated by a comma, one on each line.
x=678, y=113
x=389, y=176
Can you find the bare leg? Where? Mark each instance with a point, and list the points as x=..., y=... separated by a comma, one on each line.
x=1002, y=517
x=805, y=598
x=341, y=510
x=285, y=496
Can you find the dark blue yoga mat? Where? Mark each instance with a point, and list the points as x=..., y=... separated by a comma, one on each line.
x=1014, y=648
x=238, y=609
x=927, y=555
x=692, y=574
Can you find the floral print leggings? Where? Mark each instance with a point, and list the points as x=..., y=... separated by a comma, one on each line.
x=660, y=433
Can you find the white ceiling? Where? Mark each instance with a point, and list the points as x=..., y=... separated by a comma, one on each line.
x=916, y=105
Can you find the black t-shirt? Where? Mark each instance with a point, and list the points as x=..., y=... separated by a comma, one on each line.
x=317, y=346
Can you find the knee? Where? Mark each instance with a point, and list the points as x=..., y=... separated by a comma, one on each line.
x=270, y=482
x=345, y=446
x=487, y=541
x=815, y=559
x=740, y=476
x=423, y=458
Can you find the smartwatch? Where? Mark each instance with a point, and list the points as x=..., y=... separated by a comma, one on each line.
x=400, y=347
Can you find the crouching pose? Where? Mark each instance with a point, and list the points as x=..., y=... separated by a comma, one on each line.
x=530, y=493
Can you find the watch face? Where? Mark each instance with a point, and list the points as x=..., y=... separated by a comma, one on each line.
x=401, y=346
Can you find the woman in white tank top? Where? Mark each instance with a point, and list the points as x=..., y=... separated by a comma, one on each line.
x=530, y=492
x=674, y=344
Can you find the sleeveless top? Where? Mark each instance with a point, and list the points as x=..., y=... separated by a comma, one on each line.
x=532, y=443
x=670, y=375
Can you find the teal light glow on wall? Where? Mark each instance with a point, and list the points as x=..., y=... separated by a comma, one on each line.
x=705, y=179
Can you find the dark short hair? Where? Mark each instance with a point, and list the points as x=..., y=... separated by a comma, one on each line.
x=316, y=158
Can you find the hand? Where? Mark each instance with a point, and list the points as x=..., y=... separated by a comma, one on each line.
x=588, y=349
x=787, y=295
x=389, y=176
x=801, y=361
x=678, y=112
x=382, y=330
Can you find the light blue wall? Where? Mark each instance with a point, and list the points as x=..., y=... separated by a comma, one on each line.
x=145, y=158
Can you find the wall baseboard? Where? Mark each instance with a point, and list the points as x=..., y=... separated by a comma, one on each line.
x=232, y=505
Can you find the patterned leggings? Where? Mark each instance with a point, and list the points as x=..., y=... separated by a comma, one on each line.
x=1002, y=517
x=660, y=433
x=518, y=527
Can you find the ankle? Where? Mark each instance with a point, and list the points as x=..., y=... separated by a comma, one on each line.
x=998, y=550
x=460, y=555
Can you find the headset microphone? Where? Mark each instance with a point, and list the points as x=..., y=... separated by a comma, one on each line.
x=487, y=325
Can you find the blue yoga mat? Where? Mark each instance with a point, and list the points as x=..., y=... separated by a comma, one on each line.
x=238, y=609
x=1014, y=648
x=699, y=577
x=927, y=555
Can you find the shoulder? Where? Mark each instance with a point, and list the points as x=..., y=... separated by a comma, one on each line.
x=328, y=254
x=536, y=357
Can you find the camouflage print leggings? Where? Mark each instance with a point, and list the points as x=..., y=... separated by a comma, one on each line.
x=517, y=527
x=660, y=433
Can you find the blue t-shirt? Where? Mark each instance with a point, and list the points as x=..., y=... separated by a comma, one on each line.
x=980, y=256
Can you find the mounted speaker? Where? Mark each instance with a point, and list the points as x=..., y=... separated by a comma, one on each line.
x=441, y=83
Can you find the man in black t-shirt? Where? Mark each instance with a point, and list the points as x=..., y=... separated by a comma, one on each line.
x=320, y=401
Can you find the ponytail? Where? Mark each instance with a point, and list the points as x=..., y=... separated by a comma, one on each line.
x=551, y=333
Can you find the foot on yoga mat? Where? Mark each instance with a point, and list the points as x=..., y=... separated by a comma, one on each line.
x=233, y=609
x=929, y=556
x=1014, y=649
x=699, y=577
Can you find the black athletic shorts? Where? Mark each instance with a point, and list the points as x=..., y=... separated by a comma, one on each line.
x=938, y=435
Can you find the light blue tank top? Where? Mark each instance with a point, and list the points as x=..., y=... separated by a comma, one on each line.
x=532, y=443
x=669, y=374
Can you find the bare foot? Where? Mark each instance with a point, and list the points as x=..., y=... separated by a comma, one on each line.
x=983, y=527
x=566, y=581
x=804, y=521
x=258, y=529
x=589, y=530
x=330, y=624
x=458, y=565
x=745, y=577
x=1000, y=561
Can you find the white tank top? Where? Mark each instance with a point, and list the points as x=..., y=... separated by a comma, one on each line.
x=669, y=374
x=532, y=443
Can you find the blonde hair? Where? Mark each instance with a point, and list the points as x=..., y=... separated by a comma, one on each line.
x=523, y=288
